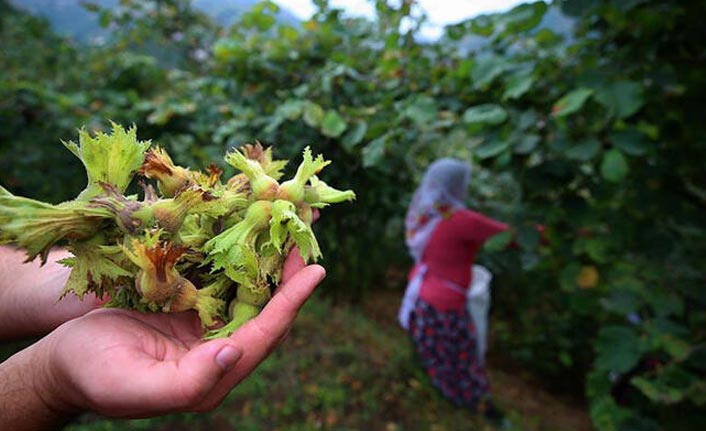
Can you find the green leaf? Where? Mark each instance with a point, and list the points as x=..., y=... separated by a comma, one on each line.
x=598, y=248
x=621, y=302
x=503, y=159
x=529, y=260
x=565, y=359
x=527, y=144
x=333, y=125
x=618, y=349
x=657, y=392
x=274, y=124
x=559, y=142
x=568, y=276
x=546, y=37
x=105, y=17
x=373, y=152
x=90, y=6
x=523, y=17
x=597, y=384
x=676, y=347
x=614, y=167
x=260, y=17
x=482, y=26
x=288, y=32
x=491, y=148
x=464, y=68
x=455, y=32
x=528, y=120
x=109, y=158
x=354, y=135
x=291, y=109
x=697, y=393
x=571, y=102
x=663, y=325
x=485, y=114
x=584, y=150
x=665, y=303
x=91, y=264
x=498, y=242
x=517, y=85
x=623, y=98
x=606, y=414
x=486, y=69
x=576, y=8
x=313, y=114
x=423, y=111
x=528, y=237
x=630, y=142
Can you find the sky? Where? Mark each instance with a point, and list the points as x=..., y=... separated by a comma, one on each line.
x=439, y=12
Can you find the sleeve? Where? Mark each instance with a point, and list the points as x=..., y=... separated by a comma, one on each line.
x=478, y=228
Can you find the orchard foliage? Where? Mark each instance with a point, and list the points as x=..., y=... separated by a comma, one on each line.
x=595, y=132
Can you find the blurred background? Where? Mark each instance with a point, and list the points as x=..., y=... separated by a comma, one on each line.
x=584, y=115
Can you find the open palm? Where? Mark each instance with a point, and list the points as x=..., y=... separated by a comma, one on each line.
x=127, y=364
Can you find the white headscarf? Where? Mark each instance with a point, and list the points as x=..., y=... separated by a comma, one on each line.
x=443, y=190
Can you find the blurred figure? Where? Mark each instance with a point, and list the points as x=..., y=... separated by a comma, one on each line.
x=443, y=237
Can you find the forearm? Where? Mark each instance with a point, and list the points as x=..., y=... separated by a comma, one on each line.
x=27, y=399
x=29, y=295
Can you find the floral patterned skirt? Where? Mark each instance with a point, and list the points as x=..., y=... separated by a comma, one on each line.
x=446, y=345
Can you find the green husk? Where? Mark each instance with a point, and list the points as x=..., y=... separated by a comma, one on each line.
x=170, y=178
x=108, y=158
x=96, y=268
x=319, y=194
x=293, y=190
x=36, y=226
x=263, y=186
x=196, y=242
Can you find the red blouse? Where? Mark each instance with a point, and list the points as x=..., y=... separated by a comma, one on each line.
x=449, y=255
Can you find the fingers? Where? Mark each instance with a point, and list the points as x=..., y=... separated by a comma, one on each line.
x=204, y=366
x=261, y=334
x=71, y=306
x=279, y=313
x=292, y=264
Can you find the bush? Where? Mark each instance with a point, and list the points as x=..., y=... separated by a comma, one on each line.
x=582, y=116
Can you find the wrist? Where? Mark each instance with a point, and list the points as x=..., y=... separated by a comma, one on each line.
x=29, y=295
x=49, y=384
x=28, y=396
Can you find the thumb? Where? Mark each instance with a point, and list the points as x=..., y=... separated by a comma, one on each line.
x=145, y=387
x=202, y=368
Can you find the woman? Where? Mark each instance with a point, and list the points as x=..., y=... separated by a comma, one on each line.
x=443, y=237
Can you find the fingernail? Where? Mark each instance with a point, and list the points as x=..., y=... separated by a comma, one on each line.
x=228, y=356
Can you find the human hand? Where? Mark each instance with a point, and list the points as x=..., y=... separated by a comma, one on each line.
x=123, y=363
x=29, y=295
